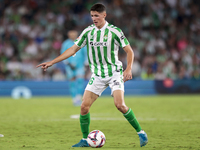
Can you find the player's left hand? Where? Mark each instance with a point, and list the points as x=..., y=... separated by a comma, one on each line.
x=127, y=75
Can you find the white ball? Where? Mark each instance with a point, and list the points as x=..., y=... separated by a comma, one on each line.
x=1, y=135
x=96, y=138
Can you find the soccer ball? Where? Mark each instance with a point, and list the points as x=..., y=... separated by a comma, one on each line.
x=96, y=138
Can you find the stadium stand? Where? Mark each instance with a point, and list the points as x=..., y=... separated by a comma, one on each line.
x=164, y=34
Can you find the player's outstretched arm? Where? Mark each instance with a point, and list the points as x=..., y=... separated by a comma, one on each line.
x=68, y=53
x=130, y=56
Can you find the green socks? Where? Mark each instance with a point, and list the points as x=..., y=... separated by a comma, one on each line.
x=85, y=123
x=129, y=115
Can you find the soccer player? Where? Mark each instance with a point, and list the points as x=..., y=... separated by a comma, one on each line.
x=75, y=68
x=103, y=41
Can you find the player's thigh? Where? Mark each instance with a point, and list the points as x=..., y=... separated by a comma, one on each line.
x=118, y=96
x=88, y=99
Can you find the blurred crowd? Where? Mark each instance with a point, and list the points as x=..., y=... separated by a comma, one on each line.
x=164, y=35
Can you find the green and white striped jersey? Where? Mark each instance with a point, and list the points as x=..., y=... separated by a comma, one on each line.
x=102, y=48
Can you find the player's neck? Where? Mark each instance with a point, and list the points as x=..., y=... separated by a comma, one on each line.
x=101, y=26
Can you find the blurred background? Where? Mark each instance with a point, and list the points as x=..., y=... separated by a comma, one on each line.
x=164, y=35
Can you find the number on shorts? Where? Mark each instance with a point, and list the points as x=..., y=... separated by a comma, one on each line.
x=91, y=81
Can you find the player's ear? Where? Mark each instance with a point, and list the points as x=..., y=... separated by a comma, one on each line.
x=104, y=14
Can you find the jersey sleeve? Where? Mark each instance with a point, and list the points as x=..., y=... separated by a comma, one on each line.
x=81, y=40
x=121, y=39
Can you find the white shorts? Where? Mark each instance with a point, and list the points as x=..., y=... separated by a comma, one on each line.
x=98, y=84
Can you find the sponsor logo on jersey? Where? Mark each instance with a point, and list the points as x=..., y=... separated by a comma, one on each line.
x=98, y=43
x=122, y=37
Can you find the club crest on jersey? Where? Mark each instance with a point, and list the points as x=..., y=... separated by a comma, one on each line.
x=98, y=43
x=105, y=37
x=76, y=39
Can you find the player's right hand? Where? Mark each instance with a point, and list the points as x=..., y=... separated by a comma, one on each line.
x=45, y=65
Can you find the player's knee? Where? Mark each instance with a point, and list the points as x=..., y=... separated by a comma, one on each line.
x=121, y=107
x=84, y=109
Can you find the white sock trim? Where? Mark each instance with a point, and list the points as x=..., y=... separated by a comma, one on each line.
x=142, y=131
x=127, y=112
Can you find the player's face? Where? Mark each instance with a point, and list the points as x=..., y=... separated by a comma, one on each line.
x=72, y=34
x=98, y=18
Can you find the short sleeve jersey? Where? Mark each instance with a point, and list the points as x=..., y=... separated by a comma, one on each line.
x=102, y=48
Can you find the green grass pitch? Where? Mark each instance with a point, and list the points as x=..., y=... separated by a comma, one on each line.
x=51, y=123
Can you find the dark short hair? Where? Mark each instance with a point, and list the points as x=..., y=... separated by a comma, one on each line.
x=98, y=7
